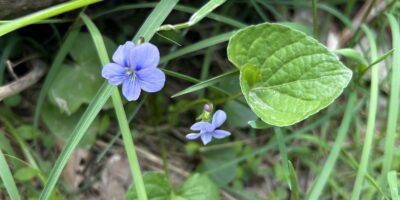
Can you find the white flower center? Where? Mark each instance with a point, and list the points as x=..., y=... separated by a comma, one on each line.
x=130, y=72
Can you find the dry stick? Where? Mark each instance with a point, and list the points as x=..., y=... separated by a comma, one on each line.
x=364, y=15
x=39, y=68
x=10, y=69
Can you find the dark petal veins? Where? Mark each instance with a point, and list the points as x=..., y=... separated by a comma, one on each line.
x=131, y=89
x=121, y=55
x=115, y=74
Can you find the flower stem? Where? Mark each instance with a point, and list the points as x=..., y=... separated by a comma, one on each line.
x=129, y=145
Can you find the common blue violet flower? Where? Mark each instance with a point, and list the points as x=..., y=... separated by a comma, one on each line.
x=209, y=130
x=135, y=67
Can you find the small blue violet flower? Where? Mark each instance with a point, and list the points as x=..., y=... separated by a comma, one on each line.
x=135, y=67
x=209, y=130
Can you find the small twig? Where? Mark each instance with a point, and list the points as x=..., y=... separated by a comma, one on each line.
x=39, y=68
x=366, y=14
x=11, y=70
x=25, y=59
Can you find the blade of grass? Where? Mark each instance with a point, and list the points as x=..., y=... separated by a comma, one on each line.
x=181, y=8
x=315, y=18
x=43, y=14
x=283, y=153
x=6, y=53
x=147, y=30
x=45, y=21
x=349, y=7
x=372, y=109
x=380, y=59
x=77, y=134
x=392, y=180
x=393, y=108
x=8, y=179
x=259, y=11
x=196, y=17
x=114, y=139
x=193, y=80
x=354, y=165
x=206, y=83
x=334, y=154
x=197, y=46
x=23, y=145
x=277, y=14
x=209, y=54
x=120, y=112
x=294, y=181
x=55, y=68
x=331, y=10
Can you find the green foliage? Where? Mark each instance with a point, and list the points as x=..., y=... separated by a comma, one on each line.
x=258, y=124
x=84, y=51
x=214, y=158
x=28, y=132
x=25, y=174
x=394, y=188
x=85, y=84
x=239, y=114
x=61, y=124
x=13, y=101
x=285, y=75
x=77, y=84
x=282, y=76
x=196, y=187
x=352, y=54
x=5, y=144
x=157, y=187
x=7, y=178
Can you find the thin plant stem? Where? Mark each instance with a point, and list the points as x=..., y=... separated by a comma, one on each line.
x=393, y=109
x=43, y=14
x=372, y=110
x=315, y=18
x=334, y=154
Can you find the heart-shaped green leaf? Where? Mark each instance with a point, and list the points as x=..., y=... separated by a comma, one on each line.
x=285, y=75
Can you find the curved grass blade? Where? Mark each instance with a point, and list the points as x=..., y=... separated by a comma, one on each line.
x=394, y=98
x=392, y=180
x=294, y=181
x=283, y=153
x=8, y=179
x=197, y=46
x=6, y=53
x=315, y=18
x=339, y=15
x=193, y=80
x=43, y=14
x=207, y=83
x=147, y=30
x=181, y=8
x=334, y=154
x=118, y=135
x=362, y=170
x=259, y=11
x=196, y=17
